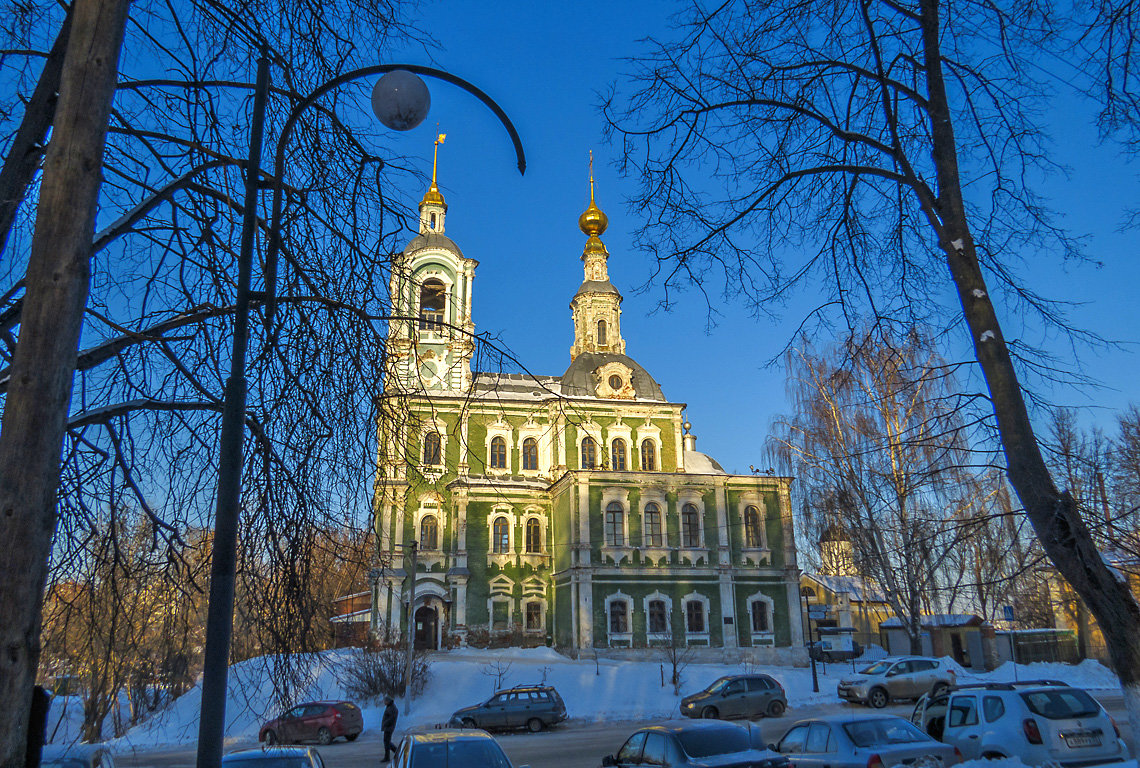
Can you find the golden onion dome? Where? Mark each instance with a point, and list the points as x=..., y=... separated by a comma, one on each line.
x=592, y=221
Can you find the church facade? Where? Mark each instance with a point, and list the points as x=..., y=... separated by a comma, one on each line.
x=569, y=510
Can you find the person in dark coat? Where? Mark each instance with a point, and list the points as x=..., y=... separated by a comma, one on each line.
x=388, y=725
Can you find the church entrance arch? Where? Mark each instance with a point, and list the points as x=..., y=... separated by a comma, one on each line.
x=427, y=628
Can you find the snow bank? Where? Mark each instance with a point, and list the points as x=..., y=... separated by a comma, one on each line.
x=605, y=690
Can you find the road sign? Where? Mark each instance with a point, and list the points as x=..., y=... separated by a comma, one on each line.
x=1008, y=611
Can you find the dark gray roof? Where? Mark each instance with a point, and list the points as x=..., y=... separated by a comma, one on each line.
x=597, y=286
x=579, y=377
x=514, y=384
x=432, y=240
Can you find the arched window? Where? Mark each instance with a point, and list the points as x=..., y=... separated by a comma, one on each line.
x=658, y=617
x=615, y=525
x=433, y=301
x=690, y=526
x=530, y=453
x=619, y=617
x=429, y=532
x=501, y=536
x=752, y=527
x=432, y=448
x=589, y=453
x=695, y=616
x=651, y=525
x=618, y=455
x=760, y=616
x=498, y=453
x=433, y=221
x=648, y=455
x=601, y=331
x=533, y=536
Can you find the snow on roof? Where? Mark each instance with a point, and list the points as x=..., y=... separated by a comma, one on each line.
x=941, y=620
x=344, y=618
x=859, y=589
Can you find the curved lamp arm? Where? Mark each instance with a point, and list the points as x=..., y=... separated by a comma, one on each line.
x=291, y=121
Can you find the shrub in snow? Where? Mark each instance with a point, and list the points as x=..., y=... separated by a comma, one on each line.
x=369, y=673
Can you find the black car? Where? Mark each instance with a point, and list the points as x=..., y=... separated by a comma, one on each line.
x=737, y=696
x=525, y=706
x=689, y=744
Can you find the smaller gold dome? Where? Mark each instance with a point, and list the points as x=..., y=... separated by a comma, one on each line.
x=592, y=221
x=433, y=197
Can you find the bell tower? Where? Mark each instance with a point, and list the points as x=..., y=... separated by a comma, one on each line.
x=596, y=307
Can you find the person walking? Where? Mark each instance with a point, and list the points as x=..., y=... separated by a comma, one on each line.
x=388, y=725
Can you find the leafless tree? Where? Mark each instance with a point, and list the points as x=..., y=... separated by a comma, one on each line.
x=149, y=287
x=870, y=149
x=878, y=447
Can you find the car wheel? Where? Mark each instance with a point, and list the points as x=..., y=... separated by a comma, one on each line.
x=469, y=723
x=776, y=708
x=878, y=698
x=939, y=689
x=993, y=756
x=534, y=725
x=351, y=736
x=271, y=738
x=324, y=736
x=709, y=713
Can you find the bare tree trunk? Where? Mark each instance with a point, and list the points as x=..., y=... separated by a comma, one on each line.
x=1053, y=514
x=31, y=436
x=28, y=145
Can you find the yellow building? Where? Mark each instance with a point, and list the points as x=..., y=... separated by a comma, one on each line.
x=1071, y=613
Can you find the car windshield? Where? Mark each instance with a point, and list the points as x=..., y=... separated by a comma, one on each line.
x=442, y=754
x=707, y=742
x=1060, y=704
x=877, y=668
x=720, y=683
x=876, y=733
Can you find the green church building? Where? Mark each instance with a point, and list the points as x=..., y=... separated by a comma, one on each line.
x=569, y=510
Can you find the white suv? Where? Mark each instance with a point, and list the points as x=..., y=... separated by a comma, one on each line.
x=1042, y=722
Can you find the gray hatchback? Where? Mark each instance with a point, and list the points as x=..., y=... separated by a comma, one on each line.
x=737, y=696
x=525, y=706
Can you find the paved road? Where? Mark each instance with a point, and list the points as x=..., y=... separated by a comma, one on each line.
x=572, y=745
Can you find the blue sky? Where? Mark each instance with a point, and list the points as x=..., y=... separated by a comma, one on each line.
x=544, y=63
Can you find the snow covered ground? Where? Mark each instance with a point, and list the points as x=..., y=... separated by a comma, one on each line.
x=606, y=691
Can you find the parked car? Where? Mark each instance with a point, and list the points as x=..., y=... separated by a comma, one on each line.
x=737, y=696
x=1040, y=722
x=451, y=748
x=531, y=706
x=76, y=756
x=828, y=650
x=687, y=744
x=320, y=721
x=274, y=757
x=903, y=677
x=867, y=741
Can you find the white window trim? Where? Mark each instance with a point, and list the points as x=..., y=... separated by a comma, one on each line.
x=509, y=557
x=431, y=504
x=620, y=495
x=499, y=429
x=624, y=432
x=592, y=430
x=542, y=556
x=689, y=497
x=691, y=636
x=667, y=635
x=754, y=500
x=541, y=435
x=662, y=552
x=621, y=637
x=500, y=598
x=435, y=425
x=770, y=635
x=527, y=599
x=652, y=433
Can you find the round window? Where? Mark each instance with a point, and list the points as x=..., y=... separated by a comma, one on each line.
x=615, y=382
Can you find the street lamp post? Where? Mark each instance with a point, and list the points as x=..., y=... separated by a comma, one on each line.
x=806, y=594
x=219, y=615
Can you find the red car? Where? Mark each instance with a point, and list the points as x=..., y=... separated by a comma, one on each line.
x=320, y=721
